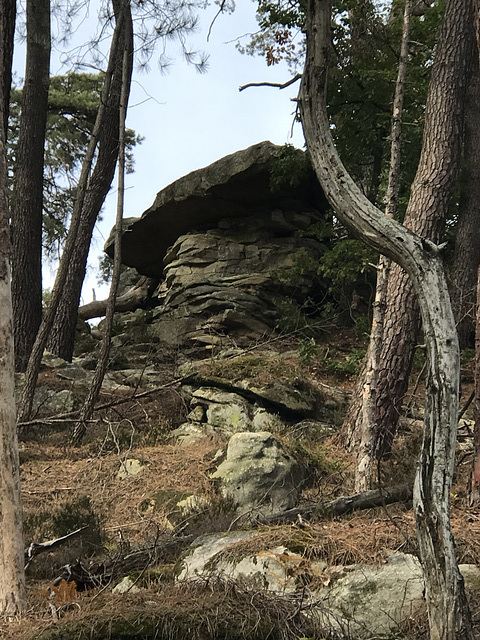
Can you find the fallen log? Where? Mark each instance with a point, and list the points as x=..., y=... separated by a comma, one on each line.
x=130, y=301
x=344, y=504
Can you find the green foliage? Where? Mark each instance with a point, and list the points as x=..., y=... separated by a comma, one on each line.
x=466, y=355
x=349, y=366
x=72, y=108
x=307, y=350
x=105, y=269
x=366, y=43
x=287, y=13
x=345, y=262
x=302, y=264
x=290, y=168
x=292, y=316
x=63, y=519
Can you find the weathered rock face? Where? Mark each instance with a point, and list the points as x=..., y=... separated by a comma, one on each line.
x=232, y=281
x=258, y=475
x=234, y=187
x=271, y=569
x=225, y=247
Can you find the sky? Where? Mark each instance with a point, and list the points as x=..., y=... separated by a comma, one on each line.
x=189, y=119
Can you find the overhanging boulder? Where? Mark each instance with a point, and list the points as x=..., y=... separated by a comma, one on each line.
x=233, y=187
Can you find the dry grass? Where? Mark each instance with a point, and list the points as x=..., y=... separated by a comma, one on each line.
x=55, y=475
x=200, y=610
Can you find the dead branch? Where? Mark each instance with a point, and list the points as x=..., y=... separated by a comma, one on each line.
x=130, y=300
x=271, y=84
x=69, y=415
x=36, y=548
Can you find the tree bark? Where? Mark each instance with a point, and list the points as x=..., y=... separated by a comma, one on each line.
x=131, y=300
x=366, y=422
x=431, y=193
x=12, y=581
x=27, y=199
x=62, y=336
x=344, y=504
x=467, y=242
x=126, y=77
x=474, y=480
x=447, y=605
x=31, y=373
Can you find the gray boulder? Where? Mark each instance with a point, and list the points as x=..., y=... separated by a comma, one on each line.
x=257, y=475
x=224, y=245
x=271, y=569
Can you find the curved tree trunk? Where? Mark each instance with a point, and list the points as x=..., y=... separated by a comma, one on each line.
x=431, y=193
x=449, y=615
x=12, y=575
x=27, y=200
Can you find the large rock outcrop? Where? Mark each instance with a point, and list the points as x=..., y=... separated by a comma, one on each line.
x=233, y=187
x=228, y=248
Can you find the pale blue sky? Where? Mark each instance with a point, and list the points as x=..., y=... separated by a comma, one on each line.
x=189, y=119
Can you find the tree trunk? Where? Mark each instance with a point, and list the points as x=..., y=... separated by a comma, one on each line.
x=431, y=193
x=12, y=581
x=95, y=388
x=448, y=610
x=369, y=379
x=27, y=200
x=467, y=243
x=474, y=481
x=84, y=182
x=62, y=336
x=133, y=299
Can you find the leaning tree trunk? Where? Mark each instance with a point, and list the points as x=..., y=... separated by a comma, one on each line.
x=467, y=242
x=431, y=193
x=449, y=615
x=101, y=368
x=35, y=359
x=27, y=199
x=62, y=337
x=12, y=576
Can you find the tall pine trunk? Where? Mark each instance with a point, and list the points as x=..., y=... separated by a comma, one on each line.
x=12, y=577
x=427, y=209
x=78, y=217
x=364, y=468
x=27, y=200
x=62, y=336
x=467, y=242
x=101, y=368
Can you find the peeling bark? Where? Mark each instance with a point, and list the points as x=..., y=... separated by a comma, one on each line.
x=449, y=615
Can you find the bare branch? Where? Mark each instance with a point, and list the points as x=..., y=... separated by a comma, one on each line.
x=272, y=84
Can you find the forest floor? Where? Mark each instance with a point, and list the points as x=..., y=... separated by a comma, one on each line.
x=66, y=487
